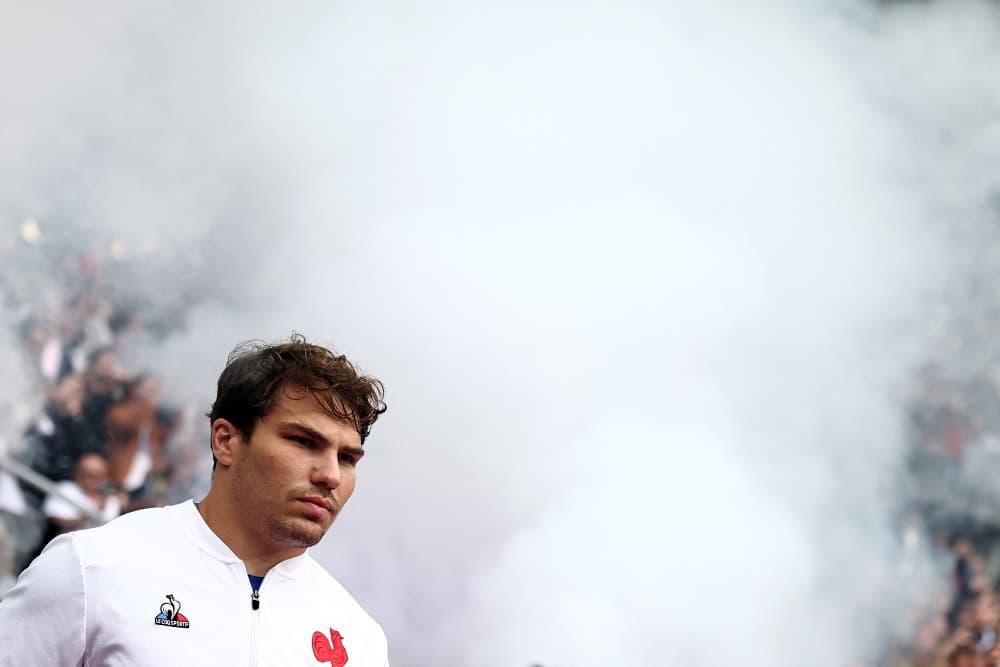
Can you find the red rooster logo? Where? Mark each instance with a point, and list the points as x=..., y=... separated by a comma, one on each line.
x=334, y=653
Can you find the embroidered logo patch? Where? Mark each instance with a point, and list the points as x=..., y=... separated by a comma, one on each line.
x=330, y=650
x=170, y=614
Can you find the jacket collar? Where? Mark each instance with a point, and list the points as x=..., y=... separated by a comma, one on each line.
x=210, y=543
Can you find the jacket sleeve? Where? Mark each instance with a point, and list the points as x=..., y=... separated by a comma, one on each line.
x=43, y=617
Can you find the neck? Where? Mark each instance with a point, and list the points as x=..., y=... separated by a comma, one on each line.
x=258, y=553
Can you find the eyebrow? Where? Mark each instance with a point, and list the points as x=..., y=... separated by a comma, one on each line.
x=319, y=437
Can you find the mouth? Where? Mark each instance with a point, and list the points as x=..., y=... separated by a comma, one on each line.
x=317, y=506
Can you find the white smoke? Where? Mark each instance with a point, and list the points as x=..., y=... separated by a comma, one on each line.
x=640, y=278
x=14, y=406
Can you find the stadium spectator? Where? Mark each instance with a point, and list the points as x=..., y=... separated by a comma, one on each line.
x=88, y=489
x=60, y=437
x=46, y=350
x=105, y=386
x=136, y=435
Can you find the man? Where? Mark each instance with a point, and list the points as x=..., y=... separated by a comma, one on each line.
x=105, y=385
x=60, y=437
x=136, y=436
x=87, y=489
x=227, y=581
x=54, y=445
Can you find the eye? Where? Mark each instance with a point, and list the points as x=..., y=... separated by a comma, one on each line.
x=349, y=459
x=305, y=442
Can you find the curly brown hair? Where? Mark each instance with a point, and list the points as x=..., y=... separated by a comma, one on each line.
x=256, y=371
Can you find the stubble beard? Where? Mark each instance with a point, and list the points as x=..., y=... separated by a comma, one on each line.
x=292, y=531
x=295, y=532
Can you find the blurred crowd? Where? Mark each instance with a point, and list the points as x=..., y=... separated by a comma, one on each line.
x=948, y=494
x=100, y=437
x=956, y=627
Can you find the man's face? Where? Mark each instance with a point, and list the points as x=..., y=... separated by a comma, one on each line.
x=68, y=395
x=103, y=375
x=297, y=471
x=91, y=473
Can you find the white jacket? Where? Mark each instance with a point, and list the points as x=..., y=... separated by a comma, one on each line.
x=158, y=587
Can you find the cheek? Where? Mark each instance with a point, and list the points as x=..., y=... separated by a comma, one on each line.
x=271, y=469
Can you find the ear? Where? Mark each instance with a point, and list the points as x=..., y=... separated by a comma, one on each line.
x=226, y=440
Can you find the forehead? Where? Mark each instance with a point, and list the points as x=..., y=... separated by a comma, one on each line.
x=103, y=361
x=293, y=405
x=91, y=462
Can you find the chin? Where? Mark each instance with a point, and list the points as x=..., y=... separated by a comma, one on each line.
x=299, y=533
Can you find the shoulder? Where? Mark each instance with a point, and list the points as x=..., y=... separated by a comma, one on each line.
x=66, y=488
x=60, y=557
x=58, y=507
x=69, y=488
x=42, y=618
x=127, y=534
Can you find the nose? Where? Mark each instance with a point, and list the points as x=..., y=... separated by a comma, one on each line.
x=326, y=472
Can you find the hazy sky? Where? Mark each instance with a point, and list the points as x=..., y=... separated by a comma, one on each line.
x=640, y=279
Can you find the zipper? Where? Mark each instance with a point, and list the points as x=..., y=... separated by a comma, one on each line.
x=254, y=619
x=254, y=631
